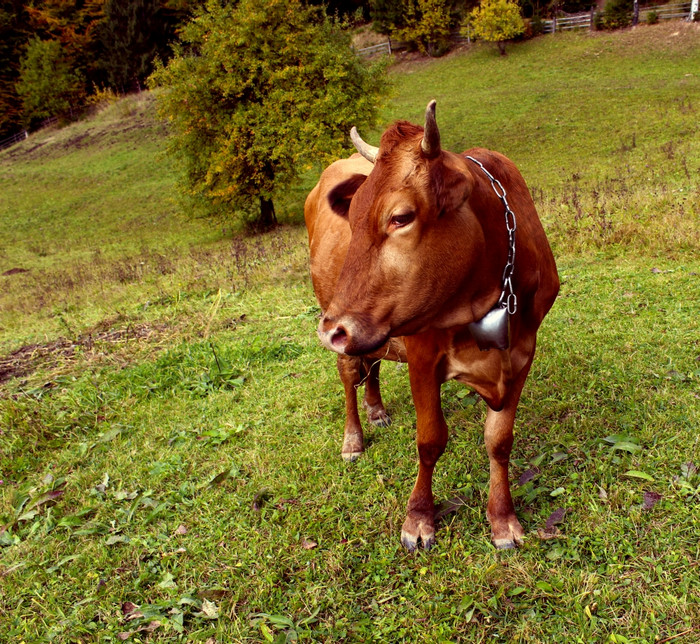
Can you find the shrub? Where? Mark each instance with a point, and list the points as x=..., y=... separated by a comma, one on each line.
x=598, y=21
x=652, y=17
x=617, y=14
x=496, y=21
x=101, y=97
x=536, y=25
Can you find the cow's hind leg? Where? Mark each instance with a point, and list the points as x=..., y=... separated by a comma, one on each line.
x=373, y=398
x=349, y=368
x=506, y=531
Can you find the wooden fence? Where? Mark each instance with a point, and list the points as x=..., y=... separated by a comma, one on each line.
x=24, y=134
x=381, y=48
x=671, y=11
x=15, y=138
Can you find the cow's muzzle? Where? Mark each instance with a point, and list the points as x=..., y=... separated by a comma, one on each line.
x=350, y=335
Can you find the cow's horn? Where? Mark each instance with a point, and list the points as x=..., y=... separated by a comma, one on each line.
x=431, y=136
x=368, y=151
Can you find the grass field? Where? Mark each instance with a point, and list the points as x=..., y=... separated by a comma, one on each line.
x=170, y=427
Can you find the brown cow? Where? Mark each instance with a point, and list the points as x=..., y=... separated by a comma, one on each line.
x=430, y=259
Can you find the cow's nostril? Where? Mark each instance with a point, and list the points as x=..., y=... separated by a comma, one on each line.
x=339, y=337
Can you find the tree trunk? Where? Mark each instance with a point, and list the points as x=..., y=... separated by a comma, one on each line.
x=267, y=217
x=502, y=47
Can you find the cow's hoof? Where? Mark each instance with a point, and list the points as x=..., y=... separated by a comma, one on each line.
x=380, y=419
x=511, y=536
x=353, y=446
x=411, y=542
x=417, y=532
x=377, y=415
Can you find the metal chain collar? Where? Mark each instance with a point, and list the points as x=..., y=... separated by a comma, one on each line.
x=508, y=299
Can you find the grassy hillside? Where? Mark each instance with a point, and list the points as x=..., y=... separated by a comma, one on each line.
x=170, y=427
x=598, y=123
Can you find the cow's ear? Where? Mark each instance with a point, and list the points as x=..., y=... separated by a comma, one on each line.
x=339, y=198
x=452, y=185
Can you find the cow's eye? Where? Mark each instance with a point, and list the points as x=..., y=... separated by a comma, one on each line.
x=403, y=219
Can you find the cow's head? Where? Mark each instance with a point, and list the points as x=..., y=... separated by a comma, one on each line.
x=414, y=241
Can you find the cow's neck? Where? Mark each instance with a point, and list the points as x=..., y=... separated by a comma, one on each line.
x=492, y=331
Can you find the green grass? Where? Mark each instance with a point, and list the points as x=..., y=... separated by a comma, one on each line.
x=170, y=427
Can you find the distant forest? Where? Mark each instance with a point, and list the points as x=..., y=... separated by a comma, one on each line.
x=55, y=54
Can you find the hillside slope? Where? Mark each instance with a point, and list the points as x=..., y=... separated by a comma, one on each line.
x=604, y=127
x=170, y=426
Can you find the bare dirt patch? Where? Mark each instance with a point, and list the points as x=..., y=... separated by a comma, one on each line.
x=27, y=359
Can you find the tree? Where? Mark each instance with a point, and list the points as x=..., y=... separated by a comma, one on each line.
x=132, y=35
x=427, y=26
x=48, y=84
x=387, y=15
x=73, y=23
x=256, y=92
x=14, y=33
x=92, y=46
x=497, y=21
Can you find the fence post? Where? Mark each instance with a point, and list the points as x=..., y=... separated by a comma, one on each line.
x=592, y=17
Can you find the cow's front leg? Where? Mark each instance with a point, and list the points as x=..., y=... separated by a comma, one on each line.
x=353, y=439
x=506, y=531
x=431, y=437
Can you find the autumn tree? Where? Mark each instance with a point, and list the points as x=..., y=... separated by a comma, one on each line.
x=257, y=91
x=497, y=21
x=58, y=61
x=74, y=24
x=111, y=42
